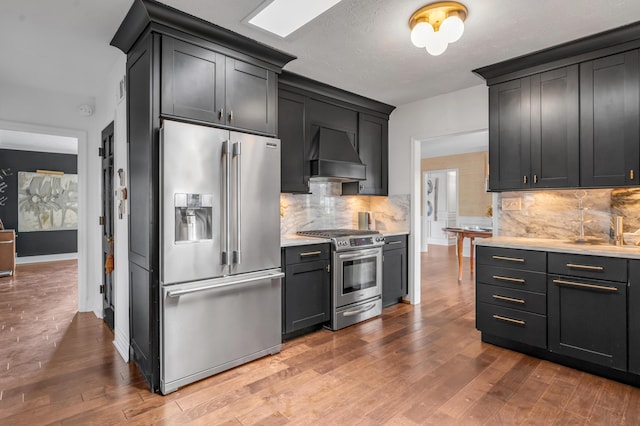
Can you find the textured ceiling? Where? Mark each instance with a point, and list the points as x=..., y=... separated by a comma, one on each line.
x=359, y=45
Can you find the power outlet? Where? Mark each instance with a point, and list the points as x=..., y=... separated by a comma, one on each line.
x=512, y=204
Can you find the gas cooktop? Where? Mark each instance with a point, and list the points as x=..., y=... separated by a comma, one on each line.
x=348, y=239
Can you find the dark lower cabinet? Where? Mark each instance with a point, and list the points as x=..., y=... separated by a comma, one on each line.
x=394, y=270
x=587, y=320
x=306, y=288
x=633, y=300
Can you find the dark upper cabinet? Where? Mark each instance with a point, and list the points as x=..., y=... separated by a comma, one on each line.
x=609, y=120
x=373, y=148
x=555, y=129
x=204, y=85
x=251, y=100
x=305, y=106
x=193, y=81
x=293, y=142
x=510, y=135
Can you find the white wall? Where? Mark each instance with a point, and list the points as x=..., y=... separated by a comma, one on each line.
x=462, y=111
x=33, y=109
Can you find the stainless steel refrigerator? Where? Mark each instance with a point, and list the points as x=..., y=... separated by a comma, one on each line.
x=220, y=256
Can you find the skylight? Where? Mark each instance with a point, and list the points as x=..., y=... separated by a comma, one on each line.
x=282, y=17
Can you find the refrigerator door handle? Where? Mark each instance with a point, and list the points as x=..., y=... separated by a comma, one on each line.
x=176, y=293
x=226, y=235
x=237, y=258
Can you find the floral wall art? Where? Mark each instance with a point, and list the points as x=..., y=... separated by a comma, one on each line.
x=47, y=202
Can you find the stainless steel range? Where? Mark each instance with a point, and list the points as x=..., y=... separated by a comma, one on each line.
x=356, y=262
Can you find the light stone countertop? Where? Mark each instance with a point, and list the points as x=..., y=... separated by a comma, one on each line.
x=300, y=240
x=561, y=246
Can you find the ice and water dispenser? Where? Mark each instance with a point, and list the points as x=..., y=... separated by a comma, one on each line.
x=194, y=216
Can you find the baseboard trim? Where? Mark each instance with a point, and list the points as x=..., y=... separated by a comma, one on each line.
x=121, y=342
x=46, y=258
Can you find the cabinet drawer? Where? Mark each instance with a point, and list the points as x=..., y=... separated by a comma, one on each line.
x=307, y=253
x=511, y=298
x=602, y=268
x=512, y=278
x=395, y=242
x=529, y=260
x=521, y=326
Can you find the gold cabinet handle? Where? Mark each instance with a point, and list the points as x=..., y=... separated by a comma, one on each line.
x=509, y=259
x=513, y=280
x=6, y=242
x=507, y=319
x=591, y=286
x=230, y=116
x=508, y=299
x=310, y=253
x=587, y=267
x=221, y=114
x=535, y=178
x=394, y=242
x=631, y=174
x=524, y=179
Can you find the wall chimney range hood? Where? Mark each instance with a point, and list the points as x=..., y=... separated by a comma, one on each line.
x=333, y=157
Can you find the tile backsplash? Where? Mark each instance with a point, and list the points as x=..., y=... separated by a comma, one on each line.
x=325, y=208
x=555, y=213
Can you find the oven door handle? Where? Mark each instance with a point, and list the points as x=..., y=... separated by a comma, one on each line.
x=363, y=253
x=359, y=311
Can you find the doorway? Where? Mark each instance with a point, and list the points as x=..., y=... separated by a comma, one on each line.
x=440, y=206
x=45, y=141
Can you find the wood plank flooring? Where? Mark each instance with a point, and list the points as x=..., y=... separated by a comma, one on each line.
x=420, y=364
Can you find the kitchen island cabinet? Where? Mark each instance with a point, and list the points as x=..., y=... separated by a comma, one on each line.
x=306, y=288
x=394, y=269
x=590, y=300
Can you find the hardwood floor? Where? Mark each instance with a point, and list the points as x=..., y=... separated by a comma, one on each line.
x=420, y=364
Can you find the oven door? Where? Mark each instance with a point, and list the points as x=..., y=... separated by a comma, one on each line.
x=357, y=275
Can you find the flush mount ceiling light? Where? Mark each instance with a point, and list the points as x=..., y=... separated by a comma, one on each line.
x=436, y=25
x=282, y=17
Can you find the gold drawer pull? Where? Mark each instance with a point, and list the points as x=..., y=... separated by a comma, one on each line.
x=508, y=299
x=507, y=319
x=394, y=242
x=513, y=280
x=6, y=242
x=587, y=267
x=310, y=253
x=510, y=259
x=593, y=286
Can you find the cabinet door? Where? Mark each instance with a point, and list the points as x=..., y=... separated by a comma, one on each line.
x=294, y=166
x=510, y=135
x=394, y=276
x=634, y=316
x=307, y=292
x=193, y=83
x=251, y=100
x=555, y=149
x=373, y=148
x=609, y=120
x=587, y=320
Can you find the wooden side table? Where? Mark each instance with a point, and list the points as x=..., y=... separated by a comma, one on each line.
x=461, y=234
x=7, y=253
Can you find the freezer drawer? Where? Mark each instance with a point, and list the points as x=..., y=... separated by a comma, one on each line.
x=211, y=326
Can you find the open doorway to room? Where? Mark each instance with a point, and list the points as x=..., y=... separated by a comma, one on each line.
x=39, y=196
x=467, y=155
